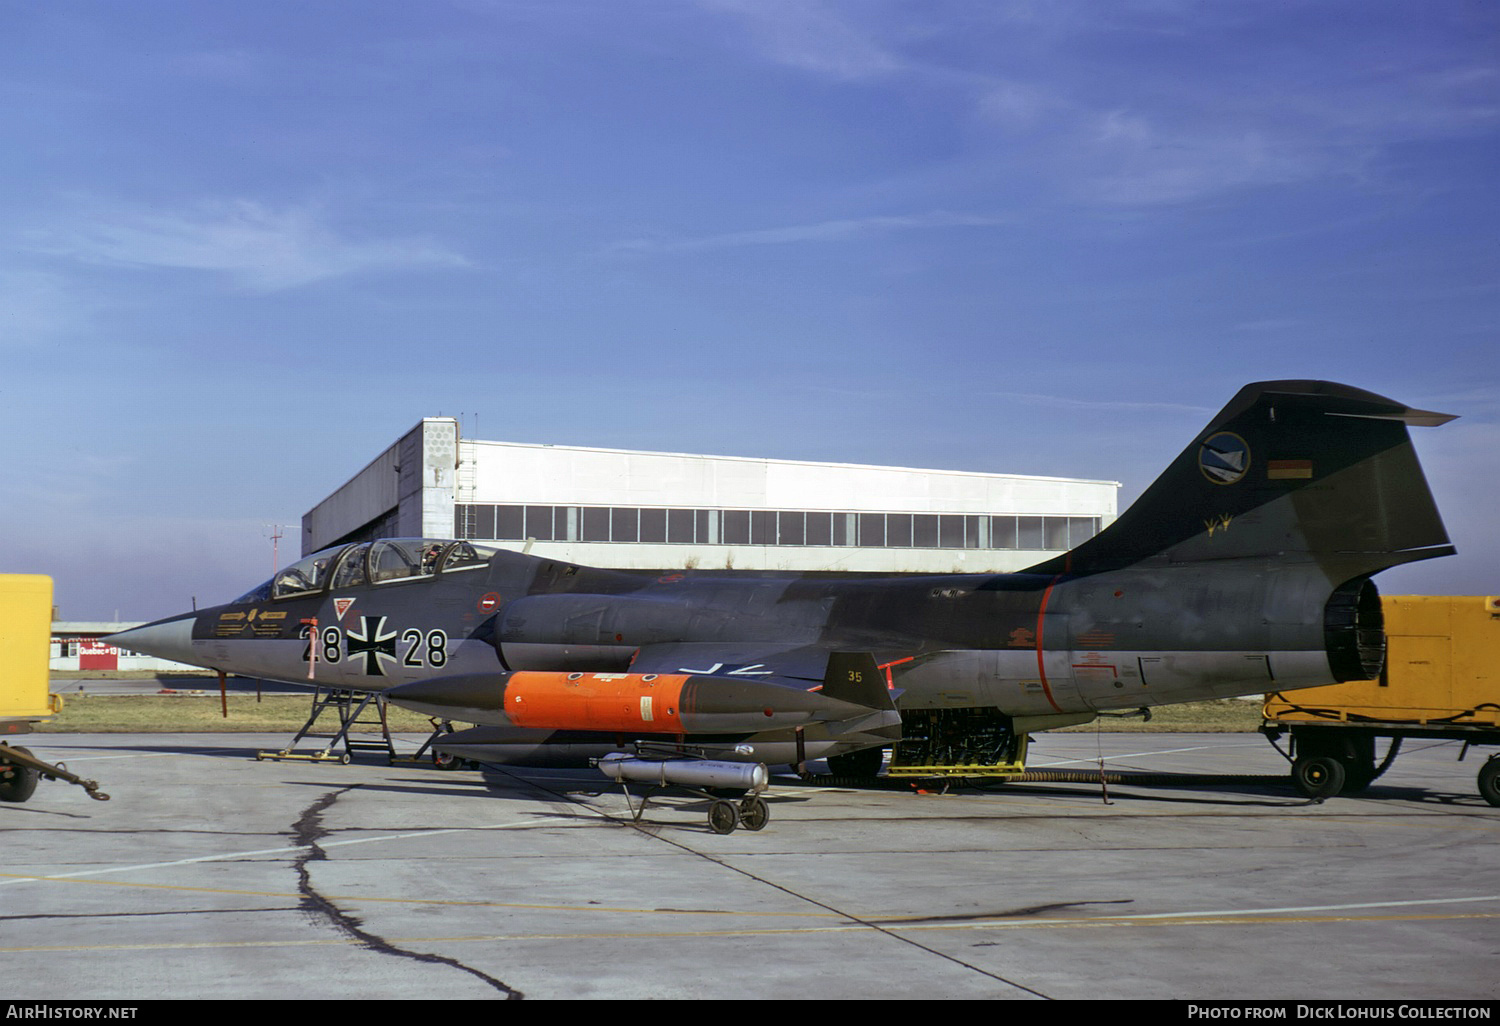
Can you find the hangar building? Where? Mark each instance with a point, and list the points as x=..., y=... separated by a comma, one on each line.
x=659, y=511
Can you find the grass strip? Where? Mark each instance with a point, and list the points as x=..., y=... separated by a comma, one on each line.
x=185, y=713
x=193, y=714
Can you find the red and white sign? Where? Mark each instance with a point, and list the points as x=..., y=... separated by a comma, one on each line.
x=96, y=655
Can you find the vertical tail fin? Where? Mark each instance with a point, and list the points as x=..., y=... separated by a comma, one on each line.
x=1289, y=471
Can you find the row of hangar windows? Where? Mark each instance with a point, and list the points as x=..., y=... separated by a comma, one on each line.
x=770, y=527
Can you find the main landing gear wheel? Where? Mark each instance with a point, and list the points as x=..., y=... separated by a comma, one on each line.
x=754, y=813
x=1318, y=776
x=17, y=782
x=864, y=763
x=722, y=818
x=1489, y=781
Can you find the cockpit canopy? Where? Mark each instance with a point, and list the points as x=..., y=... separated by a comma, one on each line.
x=377, y=562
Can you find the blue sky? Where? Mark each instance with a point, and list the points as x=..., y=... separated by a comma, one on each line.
x=247, y=245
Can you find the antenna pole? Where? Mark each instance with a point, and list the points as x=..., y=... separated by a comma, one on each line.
x=275, y=537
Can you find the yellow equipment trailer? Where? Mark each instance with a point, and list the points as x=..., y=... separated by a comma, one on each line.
x=1441, y=680
x=25, y=634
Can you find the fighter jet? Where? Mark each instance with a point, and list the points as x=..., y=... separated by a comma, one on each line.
x=1246, y=567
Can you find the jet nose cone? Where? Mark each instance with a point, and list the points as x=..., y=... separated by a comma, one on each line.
x=166, y=639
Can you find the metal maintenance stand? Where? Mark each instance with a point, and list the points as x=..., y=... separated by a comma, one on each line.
x=350, y=706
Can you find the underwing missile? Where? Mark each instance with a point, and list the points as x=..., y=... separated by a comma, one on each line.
x=699, y=773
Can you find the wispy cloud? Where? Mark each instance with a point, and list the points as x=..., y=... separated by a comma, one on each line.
x=36, y=307
x=813, y=36
x=1073, y=402
x=905, y=394
x=1111, y=131
x=258, y=247
x=820, y=231
x=1142, y=161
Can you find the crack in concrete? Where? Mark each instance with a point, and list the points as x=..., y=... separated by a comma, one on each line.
x=1016, y=913
x=307, y=832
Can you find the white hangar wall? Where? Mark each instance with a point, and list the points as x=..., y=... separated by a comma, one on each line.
x=648, y=510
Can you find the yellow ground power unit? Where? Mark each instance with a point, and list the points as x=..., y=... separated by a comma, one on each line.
x=25, y=640
x=1441, y=680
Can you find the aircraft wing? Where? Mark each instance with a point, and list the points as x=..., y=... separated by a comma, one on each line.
x=798, y=666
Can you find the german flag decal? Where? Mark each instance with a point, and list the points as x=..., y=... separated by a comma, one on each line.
x=1289, y=470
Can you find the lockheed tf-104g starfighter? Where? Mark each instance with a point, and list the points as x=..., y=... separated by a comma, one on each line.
x=1245, y=568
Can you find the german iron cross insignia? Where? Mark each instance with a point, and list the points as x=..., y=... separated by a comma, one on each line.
x=373, y=642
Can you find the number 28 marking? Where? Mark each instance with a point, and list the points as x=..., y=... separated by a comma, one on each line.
x=430, y=649
x=435, y=653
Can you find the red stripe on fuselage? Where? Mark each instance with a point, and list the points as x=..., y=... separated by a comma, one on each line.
x=1041, y=665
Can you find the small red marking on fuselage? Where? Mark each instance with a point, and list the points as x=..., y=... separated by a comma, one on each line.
x=890, y=684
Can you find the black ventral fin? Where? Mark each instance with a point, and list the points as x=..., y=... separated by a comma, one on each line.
x=1288, y=472
x=855, y=677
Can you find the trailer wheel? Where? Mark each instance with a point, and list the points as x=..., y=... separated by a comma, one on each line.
x=1318, y=776
x=722, y=818
x=754, y=813
x=1489, y=781
x=17, y=782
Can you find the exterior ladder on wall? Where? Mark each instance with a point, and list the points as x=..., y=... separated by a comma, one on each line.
x=464, y=497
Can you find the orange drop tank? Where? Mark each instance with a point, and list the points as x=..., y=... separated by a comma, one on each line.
x=641, y=702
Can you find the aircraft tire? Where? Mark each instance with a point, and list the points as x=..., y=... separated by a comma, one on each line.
x=1318, y=776
x=754, y=813
x=722, y=818
x=1358, y=775
x=22, y=780
x=1354, y=784
x=1489, y=781
x=864, y=763
x=446, y=761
